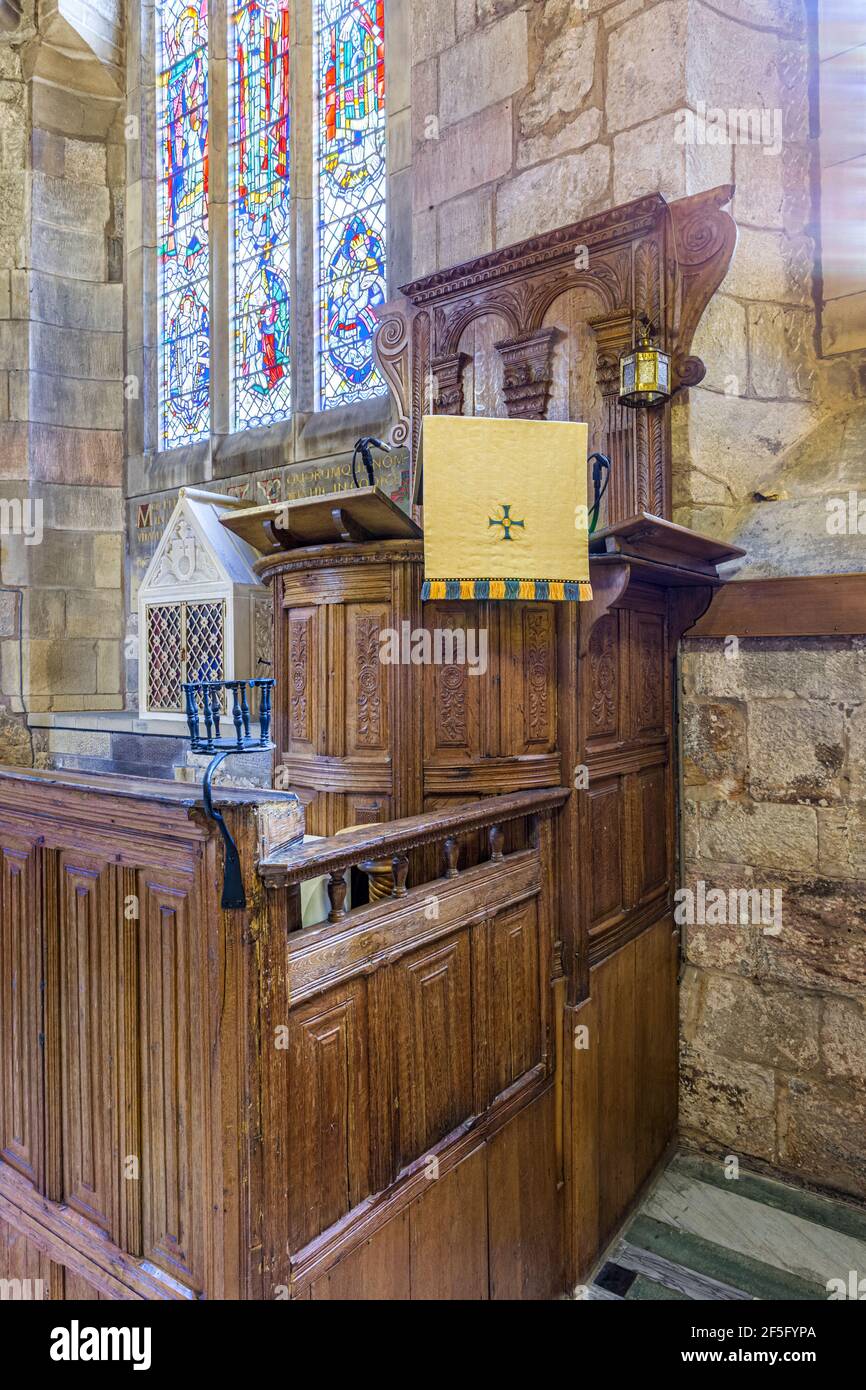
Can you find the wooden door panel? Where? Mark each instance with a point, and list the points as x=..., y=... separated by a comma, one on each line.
x=21, y=1132
x=329, y=1161
x=432, y=991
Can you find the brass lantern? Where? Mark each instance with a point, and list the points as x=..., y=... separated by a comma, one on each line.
x=645, y=372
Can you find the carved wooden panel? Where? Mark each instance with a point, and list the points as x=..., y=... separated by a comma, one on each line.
x=20, y=1008
x=367, y=713
x=303, y=714
x=649, y=675
x=515, y=1038
x=87, y=936
x=605, y=818
x=432, y=991
x=329, y=1159
x=604, y=691
x=173, y=1056
x=601, y=273
x=527, y=662
x=452, y=697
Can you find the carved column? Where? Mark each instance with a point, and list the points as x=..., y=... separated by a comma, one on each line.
x=448, y=374
x=613, y=333
x=527, y=363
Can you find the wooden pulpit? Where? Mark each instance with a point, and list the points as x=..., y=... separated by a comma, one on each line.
x=459, y=1088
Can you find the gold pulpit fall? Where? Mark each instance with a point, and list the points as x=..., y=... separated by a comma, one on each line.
x=505, y=514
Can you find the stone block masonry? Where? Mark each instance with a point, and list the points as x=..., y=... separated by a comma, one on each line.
x=773, y=1054
x=61, y=374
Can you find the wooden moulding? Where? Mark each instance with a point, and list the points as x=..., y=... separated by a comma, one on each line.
x=821, y=605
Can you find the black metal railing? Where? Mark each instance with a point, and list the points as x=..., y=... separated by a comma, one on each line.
x=204, y=701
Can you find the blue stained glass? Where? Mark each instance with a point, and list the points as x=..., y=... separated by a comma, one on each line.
x=260, y=213
x=182, y=212
x=350, y=195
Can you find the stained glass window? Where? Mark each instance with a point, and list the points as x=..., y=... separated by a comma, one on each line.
x=350, y=185
x=260, y=212
x=184, y=290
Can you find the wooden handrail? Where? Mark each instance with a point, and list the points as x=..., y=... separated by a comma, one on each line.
x=391, y=838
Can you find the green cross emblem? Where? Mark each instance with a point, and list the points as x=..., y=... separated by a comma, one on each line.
x=506, y=521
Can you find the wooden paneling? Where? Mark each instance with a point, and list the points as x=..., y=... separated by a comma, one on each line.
x=515, y=1006
x=651, y=837
x=330, y=1151
x=525, y=1207
x=21, y=937
x=605, y=830
x=88, y=1031
x=604, y=684
x=303, y=707
x=366, y=708
x=448, y=1234
x=433, y=1018
x=173, y=1077
x=528, y=678
x=819, y=605
x=649, y=673
x=454, y=720
x=379, y=1269
x=621, y=1078
x=26, y=1272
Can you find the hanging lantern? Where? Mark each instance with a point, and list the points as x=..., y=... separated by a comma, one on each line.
x=645, y=372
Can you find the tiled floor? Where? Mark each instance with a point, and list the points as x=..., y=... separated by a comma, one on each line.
x=702, y=1235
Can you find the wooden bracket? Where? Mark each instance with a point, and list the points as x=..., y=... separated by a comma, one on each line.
x=609, y=583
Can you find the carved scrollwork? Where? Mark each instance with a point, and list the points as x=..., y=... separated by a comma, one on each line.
x=392, y=351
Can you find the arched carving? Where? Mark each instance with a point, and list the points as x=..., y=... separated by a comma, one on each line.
x=647, y=256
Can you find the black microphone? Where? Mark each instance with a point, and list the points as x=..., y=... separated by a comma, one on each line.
x=363, y=449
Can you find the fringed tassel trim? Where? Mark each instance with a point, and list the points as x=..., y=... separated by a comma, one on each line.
x=569, y=590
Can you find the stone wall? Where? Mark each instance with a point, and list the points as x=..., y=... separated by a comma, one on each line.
x=773, y=1049
x=528, y=116
x=61, y=337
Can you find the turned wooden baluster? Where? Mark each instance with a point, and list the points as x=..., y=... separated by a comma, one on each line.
x=399, y=871
x=496, y=839
x=337, y=890
x=451, y=849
